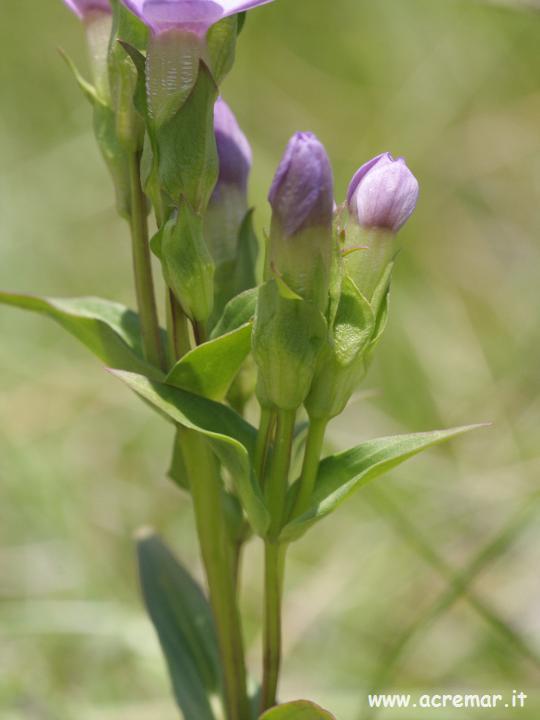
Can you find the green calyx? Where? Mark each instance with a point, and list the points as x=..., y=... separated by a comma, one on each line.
x=288, y=336
x=356, y=330
x=187, y=265
x=302, y=261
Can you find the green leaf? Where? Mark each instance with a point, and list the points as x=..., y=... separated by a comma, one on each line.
x=230, y=436
x=299, y=710
x=109, y=330
x=210, y=368
x=238, y=311
x=183, y=621
x=341, y=474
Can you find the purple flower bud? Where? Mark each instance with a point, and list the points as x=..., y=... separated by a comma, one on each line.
x=192, y=15
x=84, y=8
x=302, y=194
x=233, y=148
x=383, y=193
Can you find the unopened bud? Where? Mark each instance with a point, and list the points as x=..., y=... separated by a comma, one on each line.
x=302, y=200
x=383, y=194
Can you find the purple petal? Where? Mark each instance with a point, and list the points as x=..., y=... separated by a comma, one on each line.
x=82, y=8
x=194, y=15
x=383, y=193
x=234, y=150
x=302, y=191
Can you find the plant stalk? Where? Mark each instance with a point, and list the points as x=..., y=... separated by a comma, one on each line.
x=310, y=467
x=142, y=269
x=274, y=560
x=206, y=490
x=274, y=568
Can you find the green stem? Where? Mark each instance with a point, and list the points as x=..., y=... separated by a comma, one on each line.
x=142, y=269
x=274, y=567
x=264, y=439
x=177, y=329
x=276, y=489
x=276, y=496
x=310, y=467
x=217, y=556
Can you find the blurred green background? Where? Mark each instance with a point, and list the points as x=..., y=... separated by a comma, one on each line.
x=372, y=599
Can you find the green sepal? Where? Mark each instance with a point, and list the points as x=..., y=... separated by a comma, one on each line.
x=127, y=27
x=115, y=156
x=340, y=475
x=238, y=311
x=287, y=339
x=229, y=435
x=241, y=21
x=342, y=364
x=221, y=45
x=247, y=253
x=183, y=621
x=210, y=368
x=188, y=267
x=188, y=160
x=138, y=60
x=86, y=87
x=109, y=330
x=126, y=75
x=299, y=710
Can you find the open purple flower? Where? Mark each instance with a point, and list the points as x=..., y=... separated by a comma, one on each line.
x=84, y=8
x=383, y=193
x=192, y=15
x=302, y=195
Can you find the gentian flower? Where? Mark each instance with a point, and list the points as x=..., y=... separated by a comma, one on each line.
x=381, y=198
x=179, y=40
x=302, y=200
x=383, y=194
x=301, y=195
x=195, y=16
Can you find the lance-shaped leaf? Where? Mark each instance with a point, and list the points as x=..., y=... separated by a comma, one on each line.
x=210, y=368
x=183, y=621
x=299, y=710
x=341, y=474
x=238, y=311
x=109, y=330
x=230, y=436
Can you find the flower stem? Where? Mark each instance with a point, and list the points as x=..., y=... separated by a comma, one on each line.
x=142, y=269
x=276, y=489
x=274, y=560
x=177, y=329
x=274, y=567
x=310, y=467
x=264, y=439
x=217, y=556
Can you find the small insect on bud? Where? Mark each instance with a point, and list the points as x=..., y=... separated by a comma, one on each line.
x=383, y=194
